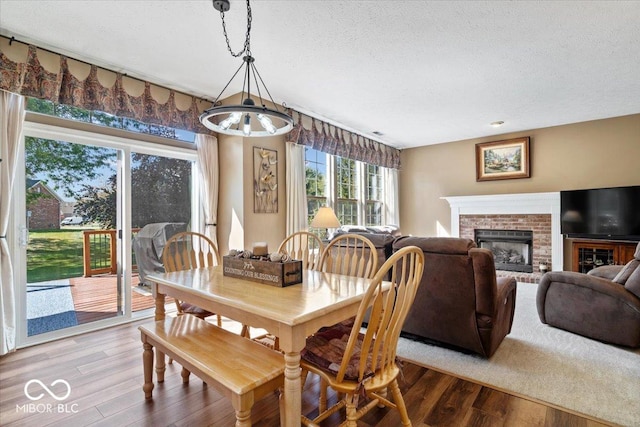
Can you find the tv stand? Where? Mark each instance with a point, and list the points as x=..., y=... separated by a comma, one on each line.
x=589, y=254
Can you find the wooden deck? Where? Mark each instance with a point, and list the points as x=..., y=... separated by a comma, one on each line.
x=96, y=298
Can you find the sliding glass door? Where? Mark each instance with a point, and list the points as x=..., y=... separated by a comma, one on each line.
x=161, y=205
x=71, y=247
x=86, y=198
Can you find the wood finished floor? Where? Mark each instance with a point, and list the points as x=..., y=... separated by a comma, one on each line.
x=104, y=370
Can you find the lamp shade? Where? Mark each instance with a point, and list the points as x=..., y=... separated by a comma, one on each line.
x=325, y=218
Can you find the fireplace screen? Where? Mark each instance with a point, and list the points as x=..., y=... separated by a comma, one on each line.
x=512, y=249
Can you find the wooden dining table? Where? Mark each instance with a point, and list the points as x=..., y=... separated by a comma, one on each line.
x=291, y=313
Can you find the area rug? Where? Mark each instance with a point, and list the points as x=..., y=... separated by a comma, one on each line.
x=549, y=365
x=49, y=307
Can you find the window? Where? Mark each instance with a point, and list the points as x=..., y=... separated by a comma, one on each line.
x=316, y=177
x=347, y=191
x=374, y=195
x=354, y=189
x=107, y=120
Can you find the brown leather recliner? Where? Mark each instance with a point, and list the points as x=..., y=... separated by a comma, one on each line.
x=460, y=302
x=594, y=305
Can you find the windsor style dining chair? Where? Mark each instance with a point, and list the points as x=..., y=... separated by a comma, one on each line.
x=358, y=364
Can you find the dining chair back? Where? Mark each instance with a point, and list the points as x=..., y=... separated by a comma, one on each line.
x=350, y=254
x=364, y=363
x=304, y=246
x=189, y=250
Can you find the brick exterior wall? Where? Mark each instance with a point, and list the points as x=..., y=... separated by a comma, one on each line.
x=45, y=211
x=540, y=224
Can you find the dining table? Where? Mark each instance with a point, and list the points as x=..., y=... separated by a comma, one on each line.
x=291, y=313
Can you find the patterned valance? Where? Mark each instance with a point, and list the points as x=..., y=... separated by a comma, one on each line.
x=330, y=139
x=31, y=79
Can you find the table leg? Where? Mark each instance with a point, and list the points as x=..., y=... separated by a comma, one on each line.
x=159, y=314
x=292, y=389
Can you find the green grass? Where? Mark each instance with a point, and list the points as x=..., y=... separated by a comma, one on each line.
x=57, y=254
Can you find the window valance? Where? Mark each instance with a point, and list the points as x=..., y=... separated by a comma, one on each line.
x=330, y=139
x=58, y=84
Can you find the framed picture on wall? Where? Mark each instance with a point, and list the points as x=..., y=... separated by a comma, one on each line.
x=506, y=159
x=265, y=180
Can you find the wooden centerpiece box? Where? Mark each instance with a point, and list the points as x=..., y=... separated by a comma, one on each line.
x=279, y=274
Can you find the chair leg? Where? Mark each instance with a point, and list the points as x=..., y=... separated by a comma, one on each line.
x=351, y=408
x=281, y=405
x=399, y=401
x=382, y=393
x=303, y=377
x=322, y=401
x=246, y=333
x=219, y=320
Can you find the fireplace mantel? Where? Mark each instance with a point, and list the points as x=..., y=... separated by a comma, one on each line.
x=505, y=204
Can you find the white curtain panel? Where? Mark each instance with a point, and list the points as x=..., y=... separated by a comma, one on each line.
x=296, y=189
x=391, y=203
x=209, y=172
x=11, y=120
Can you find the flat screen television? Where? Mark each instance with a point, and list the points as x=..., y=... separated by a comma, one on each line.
x=601, y=213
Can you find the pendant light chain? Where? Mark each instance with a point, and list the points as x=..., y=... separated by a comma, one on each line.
x=238, y=119
x=247, y=40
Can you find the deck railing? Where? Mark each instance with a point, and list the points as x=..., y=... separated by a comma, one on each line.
x=99, y=251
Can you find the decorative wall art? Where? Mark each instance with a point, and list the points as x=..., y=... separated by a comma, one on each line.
x=506, y=159
x=265, y=180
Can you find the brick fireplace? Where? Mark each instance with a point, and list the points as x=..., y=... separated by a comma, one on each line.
x=538, y=213
x=512, y=249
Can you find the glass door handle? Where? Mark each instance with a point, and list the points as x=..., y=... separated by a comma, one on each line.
x=23, y=236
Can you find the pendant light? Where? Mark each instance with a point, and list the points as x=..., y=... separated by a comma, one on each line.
x=239, y=119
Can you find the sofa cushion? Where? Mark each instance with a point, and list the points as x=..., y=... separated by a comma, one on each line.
x=436, y=245
x=626, y=271
x=391, y=230
x=606, y=271
x=633, y=282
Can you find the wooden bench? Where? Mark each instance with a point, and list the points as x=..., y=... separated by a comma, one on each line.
x=239, y=368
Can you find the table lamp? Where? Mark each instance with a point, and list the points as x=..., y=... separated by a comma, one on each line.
x=325, y=218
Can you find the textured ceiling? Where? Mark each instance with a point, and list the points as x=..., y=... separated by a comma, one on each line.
x=419, y=72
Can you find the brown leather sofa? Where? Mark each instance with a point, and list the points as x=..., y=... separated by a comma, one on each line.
x=382, y=238
x=594, y=305
x=460, y=302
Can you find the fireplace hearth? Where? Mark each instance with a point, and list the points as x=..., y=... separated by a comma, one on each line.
x=512, y=249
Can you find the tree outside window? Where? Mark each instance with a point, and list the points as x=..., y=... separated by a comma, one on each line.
x=316, y=181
